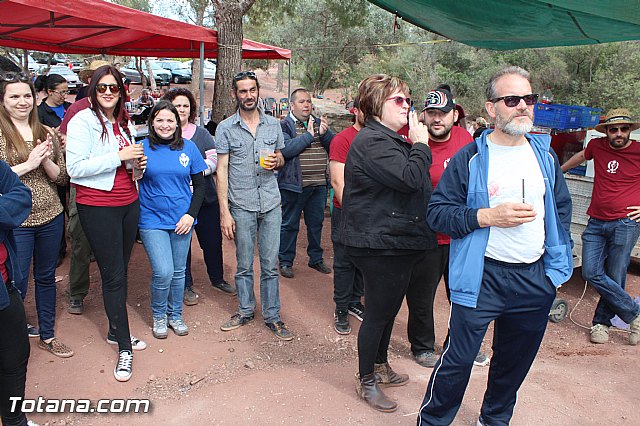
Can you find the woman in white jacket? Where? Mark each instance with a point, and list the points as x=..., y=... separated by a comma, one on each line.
x=101, y=154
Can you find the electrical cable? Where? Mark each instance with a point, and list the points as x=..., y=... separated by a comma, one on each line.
x=612, y=328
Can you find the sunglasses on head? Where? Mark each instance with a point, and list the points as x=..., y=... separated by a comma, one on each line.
x=12, y=77
x=623, y=129
x=245, y=74
x=513, y=101
x=400, y=100
x=102, y=88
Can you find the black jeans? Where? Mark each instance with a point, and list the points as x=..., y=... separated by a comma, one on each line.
x=386, y=279
x=210, y=239
x=14, y=356
x=348, y=284
x=420, y=295
x=111, y=232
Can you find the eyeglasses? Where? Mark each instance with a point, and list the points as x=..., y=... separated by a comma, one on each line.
x=61, y=92
x=245, y=74
x=102, y=88
x=623, y=129
x=513, y=101
x=400, y=100
x=12, y=77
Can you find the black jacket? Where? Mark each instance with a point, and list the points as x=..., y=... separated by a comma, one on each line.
x=47, y=116
x=387, y=189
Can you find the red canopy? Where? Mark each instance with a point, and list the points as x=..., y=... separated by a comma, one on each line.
x=99, y=27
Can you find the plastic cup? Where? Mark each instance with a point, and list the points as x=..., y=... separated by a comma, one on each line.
x=264, y=153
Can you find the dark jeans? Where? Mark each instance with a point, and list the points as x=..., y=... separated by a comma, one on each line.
x=348, y=284
x=111, y=232
x=210, y=240
x=80, y=256
x=420, y=295
x=62, y=195
x=312, y=202
x=40, y=243
x=14, y=356
x=386, y=279
x=518, y=298
x=606, y=252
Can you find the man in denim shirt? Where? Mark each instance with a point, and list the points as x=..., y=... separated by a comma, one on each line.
x=250, y=201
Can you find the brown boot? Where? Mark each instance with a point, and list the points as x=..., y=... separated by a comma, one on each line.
x=367, y=389
x=386, y=376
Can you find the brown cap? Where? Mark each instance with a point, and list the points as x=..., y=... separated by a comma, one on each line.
x=86, y=72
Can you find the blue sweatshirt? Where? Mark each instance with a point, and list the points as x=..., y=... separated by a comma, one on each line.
x=462, y=191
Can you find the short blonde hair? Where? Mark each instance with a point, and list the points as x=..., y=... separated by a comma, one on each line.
x=373, y=92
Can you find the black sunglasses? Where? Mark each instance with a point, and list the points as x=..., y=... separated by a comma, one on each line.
x=245, y=74
x=513, y=101
x=12, y=77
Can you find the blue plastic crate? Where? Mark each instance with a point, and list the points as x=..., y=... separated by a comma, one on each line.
x=557, y=116
x=589, y=117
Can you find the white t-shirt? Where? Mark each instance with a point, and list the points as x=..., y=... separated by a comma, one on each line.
x=509, y=167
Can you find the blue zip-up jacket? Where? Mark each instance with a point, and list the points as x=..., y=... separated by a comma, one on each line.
x=290, y=177
x=15, y=207
x=462, y=191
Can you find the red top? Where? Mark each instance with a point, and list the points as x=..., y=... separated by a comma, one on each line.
x=340, y=148
x=616, y=178
x=123, y=192
x=441, y=153
x=3, y=260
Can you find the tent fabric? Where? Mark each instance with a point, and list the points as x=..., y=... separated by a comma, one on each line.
x=516, y=24
x=99, y=27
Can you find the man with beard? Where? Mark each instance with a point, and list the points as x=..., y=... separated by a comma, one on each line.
x=613, y=227
x=303, y=182
x=445, y=140
x=250, y=201
x=505, y=204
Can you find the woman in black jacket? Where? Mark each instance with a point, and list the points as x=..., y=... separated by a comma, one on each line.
x=52, y=108
x=387, y=188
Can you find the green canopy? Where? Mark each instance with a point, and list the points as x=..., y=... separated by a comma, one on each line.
x=516, y=24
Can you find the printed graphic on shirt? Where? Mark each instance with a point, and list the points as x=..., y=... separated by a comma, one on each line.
x=122, y=141
x=184, y=159
x=612, y=166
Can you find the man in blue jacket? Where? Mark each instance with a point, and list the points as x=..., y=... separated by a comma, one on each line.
x=303, y=181
x=505, y=204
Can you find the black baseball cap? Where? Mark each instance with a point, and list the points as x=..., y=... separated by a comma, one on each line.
x=439, y=99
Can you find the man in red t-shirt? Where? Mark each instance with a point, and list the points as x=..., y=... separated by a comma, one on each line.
x=348, y=286
x=613, y=227
x=445, y=139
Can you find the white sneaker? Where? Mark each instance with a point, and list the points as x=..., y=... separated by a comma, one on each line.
x=179, y=327
x=124, y=367
x=136, y=344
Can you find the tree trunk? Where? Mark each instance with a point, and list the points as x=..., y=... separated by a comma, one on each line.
x=199, y=8
x=228, y=14
x=152, y=79
x=280, y=77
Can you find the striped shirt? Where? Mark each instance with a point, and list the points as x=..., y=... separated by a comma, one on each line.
x=313, y=160
x=251, y=187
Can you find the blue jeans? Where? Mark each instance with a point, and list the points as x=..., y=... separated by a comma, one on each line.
x=42, y=243
x=312, y=201
x=167, y=252
x=606, y=252
x=267, y=228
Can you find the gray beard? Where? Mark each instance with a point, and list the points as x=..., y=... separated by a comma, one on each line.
x=512, y=128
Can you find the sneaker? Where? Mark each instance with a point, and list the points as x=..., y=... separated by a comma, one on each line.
x=76, y=307
x=56, y=347
x=225, y=287
x=341, y=322
x=190, y=297
x=357, y=310
x=599, y=333
x=160, y=328
x=480, y=422
x=179, y=327
x=426, y=359
x=481, y=359
x=236, y=321
x=136, y=344
x=33, y=330
x=32, y=423
x=634, y=327
x=280, y=330
x=124, y=367
x=286, y=271
x=320, y=267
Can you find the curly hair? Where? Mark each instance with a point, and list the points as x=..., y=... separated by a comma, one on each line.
x=181, y=91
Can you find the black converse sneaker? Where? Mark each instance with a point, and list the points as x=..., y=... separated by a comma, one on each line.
x=124, y=367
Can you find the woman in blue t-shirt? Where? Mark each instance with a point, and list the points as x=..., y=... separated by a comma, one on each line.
x=167, y=213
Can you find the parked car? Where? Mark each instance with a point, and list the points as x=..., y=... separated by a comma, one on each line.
x=33, y=65
x=72, y=78
x=209, y=69
x=161, y=76
x=180, y=71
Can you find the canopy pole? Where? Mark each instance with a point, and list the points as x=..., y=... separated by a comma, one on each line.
x=202, y=83
x=289, y=84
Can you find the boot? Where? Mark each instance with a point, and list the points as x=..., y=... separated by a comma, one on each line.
x=367, y=389
x=386, y=376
